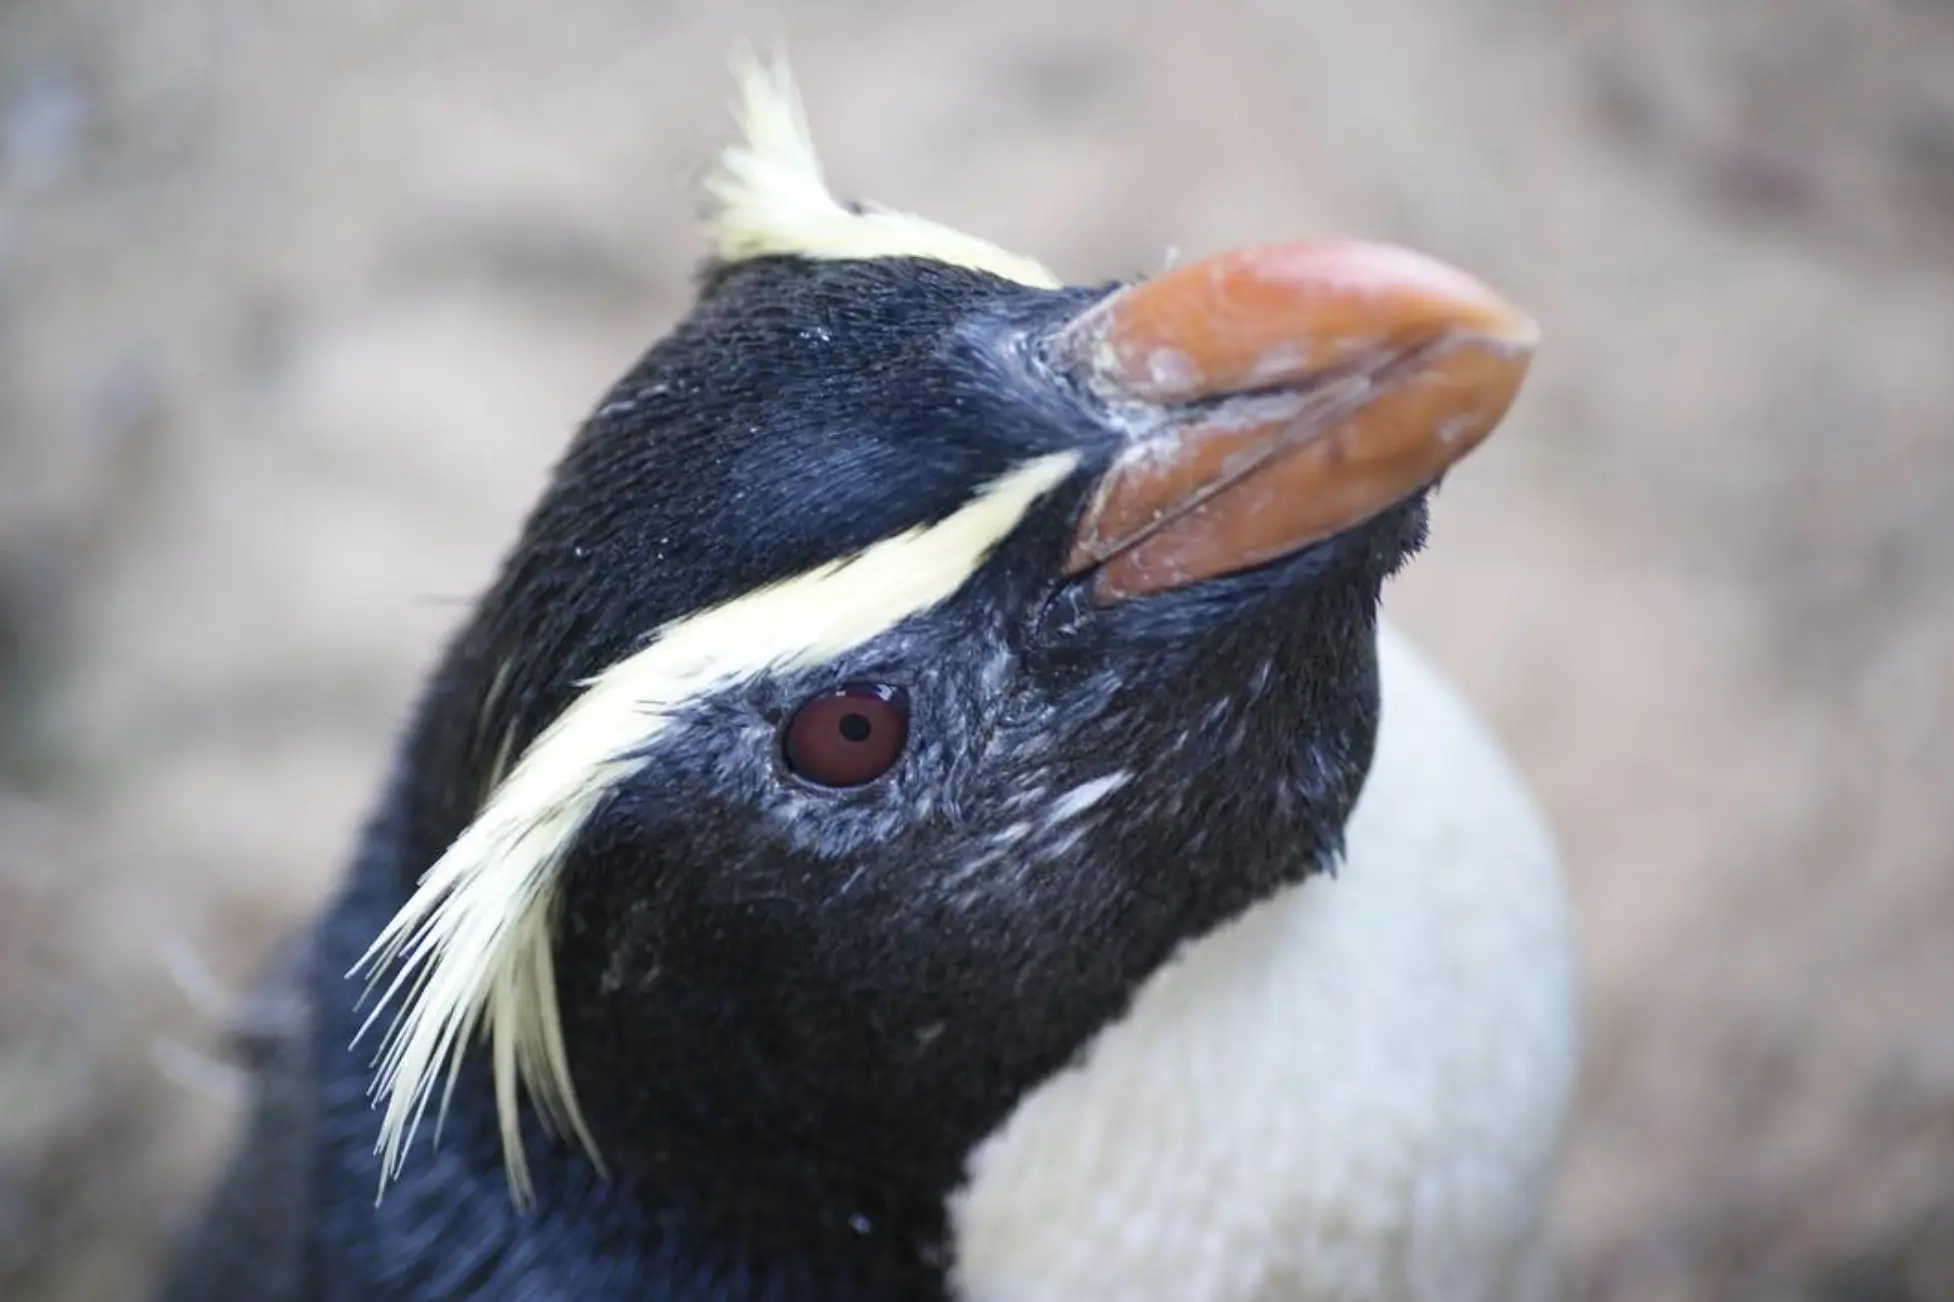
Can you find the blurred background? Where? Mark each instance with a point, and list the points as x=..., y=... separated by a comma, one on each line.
x=299, y=301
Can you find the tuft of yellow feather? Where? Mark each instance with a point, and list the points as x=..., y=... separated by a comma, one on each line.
x=769, y=197
x=469, y=954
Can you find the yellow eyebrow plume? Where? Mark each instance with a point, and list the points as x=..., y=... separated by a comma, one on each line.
x=470, y=950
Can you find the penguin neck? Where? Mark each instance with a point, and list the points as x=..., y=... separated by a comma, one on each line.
x=712, y=1219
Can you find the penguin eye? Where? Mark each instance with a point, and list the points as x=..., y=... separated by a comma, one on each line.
x=847, y=736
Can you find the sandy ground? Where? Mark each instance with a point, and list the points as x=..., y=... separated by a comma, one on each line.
x=297, y=302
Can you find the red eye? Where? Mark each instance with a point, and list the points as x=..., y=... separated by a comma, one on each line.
x=848, y=736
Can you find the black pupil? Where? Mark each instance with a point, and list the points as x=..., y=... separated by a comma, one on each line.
x=855, y=727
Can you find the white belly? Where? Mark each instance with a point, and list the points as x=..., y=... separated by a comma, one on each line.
x=1354, y=1092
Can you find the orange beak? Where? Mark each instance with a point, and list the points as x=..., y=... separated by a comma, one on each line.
x=1276, y=396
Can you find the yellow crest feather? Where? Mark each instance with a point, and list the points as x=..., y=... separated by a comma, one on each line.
x=769, y=198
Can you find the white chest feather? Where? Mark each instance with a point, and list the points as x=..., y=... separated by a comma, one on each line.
x=1354, y=1093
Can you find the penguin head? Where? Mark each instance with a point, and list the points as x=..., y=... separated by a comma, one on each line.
x=908, y=656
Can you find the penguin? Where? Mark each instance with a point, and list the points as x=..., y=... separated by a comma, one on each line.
x=928, y=811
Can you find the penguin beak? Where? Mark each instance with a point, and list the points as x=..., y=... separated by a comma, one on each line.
x=1276, y=396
